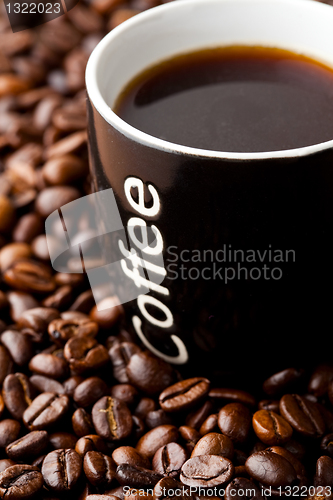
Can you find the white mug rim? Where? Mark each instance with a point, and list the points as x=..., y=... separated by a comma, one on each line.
x=94, y=94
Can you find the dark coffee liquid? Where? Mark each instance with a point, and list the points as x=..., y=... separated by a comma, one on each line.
x=237, y=99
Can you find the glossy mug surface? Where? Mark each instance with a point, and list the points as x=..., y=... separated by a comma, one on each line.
x=245, y=237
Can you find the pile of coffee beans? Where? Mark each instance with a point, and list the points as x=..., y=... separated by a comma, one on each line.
x=85, y=411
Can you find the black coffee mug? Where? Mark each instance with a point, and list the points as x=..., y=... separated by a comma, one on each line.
x=245, y=238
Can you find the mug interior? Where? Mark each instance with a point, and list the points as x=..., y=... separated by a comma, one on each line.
x=301, y=26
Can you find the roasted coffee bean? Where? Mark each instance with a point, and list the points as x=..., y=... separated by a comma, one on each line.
x=30, y=445
x=2, y=406
x=5, y=463
x=139, y=428
x=71, y=384
x=6, y=363
x=145, y=406
x=82, y=423
x=45, y=410
x=154, y=439
x=92, y=442
x=37, y=319
x=326, y=444
x=62, y=469
x=9, y=431
x=214, y=444
x=17, y=394
x=149, y=373
x=270, y=469
x=234, y=420
x=61, y=330
x=169, y=487
x=324, y=472
x=89, y=391
x=112, y=419
x=65, y=146
x=133, y=475
x=271, y=428
x=299, y=469
x=197, y=417
x=110, y=312
x=225, y=395
x=20, y=481
x=61, y=298
x=284, y=381
x=100, y=470
x=18, y=345
x=190, y=436
x=169, y=459
x=120, y=355
x=29, y=276
x=20, y=302
x=135, y=494
x=102, y=497
x=185, y=394
x=209, y=425
x=85, y=301
x=156, y=418
x=52, y=198
x=49, y=365
x=28, y=227
x=3, y=300
x=46, y=384
x=240, y=488
x=7, y=213
x=320, y=380
x=206, y=471
x=125, y=393
x=303, y=415
x=269, y=405
x=84, y=354
x=129, y=455
x=62, y=440
x=13, y=252
x=64, y=170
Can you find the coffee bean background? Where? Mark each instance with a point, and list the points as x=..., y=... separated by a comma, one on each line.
x=84, y=409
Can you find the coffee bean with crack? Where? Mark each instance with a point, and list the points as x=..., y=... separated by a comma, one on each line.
x=270, y=469
x=138, y=477
x=154, y=439
x=45, y=410
x=206, y=471
x=17, y=394
x=112, y=419
x=30, y=445
x=240, y=486
x=271, y=428
x=169, y=459
x=184, y=395
x=61, y=330
x=62, y=469
x=91, y=442
x=100, y=469
x=20, y=481
x=214, y=443
x=84, y=354
x=302, y=414
x=171, y=489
